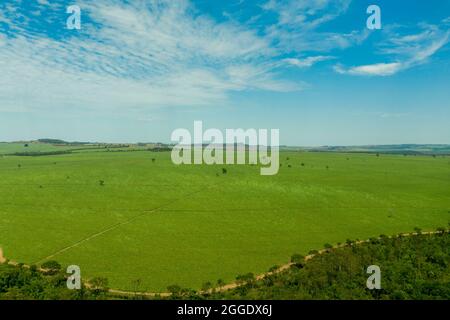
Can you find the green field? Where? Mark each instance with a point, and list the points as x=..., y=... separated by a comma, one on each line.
x=185, y=225
x=36, y=147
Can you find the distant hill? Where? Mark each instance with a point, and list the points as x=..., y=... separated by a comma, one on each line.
x=44, y=145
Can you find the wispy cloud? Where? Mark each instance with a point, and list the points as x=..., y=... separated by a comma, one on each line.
x=377, y=69
x=307, y=14
x=139, y=55
x=298, y=26
x=306, y=62
x=406, y=51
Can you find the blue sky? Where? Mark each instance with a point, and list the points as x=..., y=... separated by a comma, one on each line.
x=137, y=70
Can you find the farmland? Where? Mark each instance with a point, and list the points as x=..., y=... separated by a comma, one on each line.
x=134, y=215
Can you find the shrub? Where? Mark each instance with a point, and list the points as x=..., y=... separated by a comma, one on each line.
x=297, y=259
x=51, y=267
x=174, y=289
x=206, y=286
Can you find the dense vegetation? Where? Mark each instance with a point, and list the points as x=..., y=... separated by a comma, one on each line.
x=412, y=267
x=28, y=283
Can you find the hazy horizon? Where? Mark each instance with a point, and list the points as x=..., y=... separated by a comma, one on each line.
x=173, y=143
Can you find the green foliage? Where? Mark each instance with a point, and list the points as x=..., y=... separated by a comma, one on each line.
x=297, y=259
x=51, y=267
x=52, y=141
x=273, y=268
x=23, y=283
x=206, y=286
x=328, y=246
x=37, y=154
x=174, y=289
x=412, y=267
x=245, y=277
x=99, y=285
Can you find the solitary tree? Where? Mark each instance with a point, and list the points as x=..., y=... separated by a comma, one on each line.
x=136, y=285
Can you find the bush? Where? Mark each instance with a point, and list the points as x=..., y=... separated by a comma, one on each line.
x=51, y=267
x=248, y=277
x=206, y=286
x=174, y=289
x=99, y=285
x=297, y=259
x=273, y=268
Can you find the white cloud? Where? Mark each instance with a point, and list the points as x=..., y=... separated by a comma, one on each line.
x=306, y=62
x=141, y=55
x=306, y=14
x=378, y=69
x=407, y=50
x=298, y=21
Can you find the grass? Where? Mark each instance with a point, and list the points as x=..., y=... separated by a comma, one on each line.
x=36, y=147
x=187, y=225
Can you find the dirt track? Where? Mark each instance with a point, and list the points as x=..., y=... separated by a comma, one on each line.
x=2, y=257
